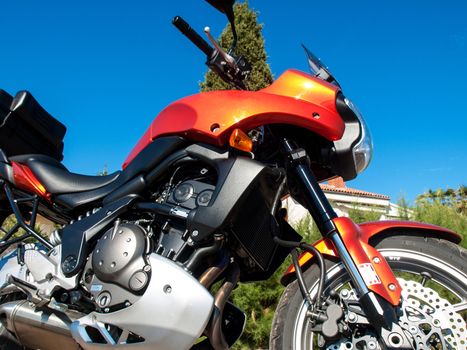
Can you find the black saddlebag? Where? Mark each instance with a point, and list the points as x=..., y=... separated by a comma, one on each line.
x=5, y=103
x=26, y=127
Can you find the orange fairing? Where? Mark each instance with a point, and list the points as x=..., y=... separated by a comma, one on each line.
x=356, y=238
x=295, y=98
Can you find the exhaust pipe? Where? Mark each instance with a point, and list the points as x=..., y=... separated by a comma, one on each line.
x=214, y=329
x=38, y=328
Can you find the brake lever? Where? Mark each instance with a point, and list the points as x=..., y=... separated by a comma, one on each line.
x=232, y=69
x=227, y=58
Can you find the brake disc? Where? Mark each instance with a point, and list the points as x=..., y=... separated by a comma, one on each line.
x=428, y=319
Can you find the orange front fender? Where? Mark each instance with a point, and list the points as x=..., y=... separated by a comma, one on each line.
x=357, y=238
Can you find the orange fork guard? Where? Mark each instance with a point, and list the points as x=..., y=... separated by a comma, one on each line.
x=356, y=239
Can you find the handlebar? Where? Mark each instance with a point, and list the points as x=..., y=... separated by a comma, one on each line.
x=230, y=68
x=191, y=34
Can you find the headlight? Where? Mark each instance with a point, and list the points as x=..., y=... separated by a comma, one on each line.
x=363, y=150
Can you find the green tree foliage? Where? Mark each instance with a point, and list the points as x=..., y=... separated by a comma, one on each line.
x=258, y=301
x=404, y=208
x=307, y=229
x=250, y=45
x=359, y=215
x=455, y=199
x=445, y=208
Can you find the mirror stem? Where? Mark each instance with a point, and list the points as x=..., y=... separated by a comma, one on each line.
x=234, y=41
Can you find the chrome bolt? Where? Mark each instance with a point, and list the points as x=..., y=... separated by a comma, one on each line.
x=392, y=287
x=127, y=304
x=376, y=260
x=147, y=268
x=352, y=317
x=344, y=293
x=106, y=310
x=413, y=329
x=371, y=345
x=195, y=233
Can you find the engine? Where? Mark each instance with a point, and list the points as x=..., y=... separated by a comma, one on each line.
x=118, y=270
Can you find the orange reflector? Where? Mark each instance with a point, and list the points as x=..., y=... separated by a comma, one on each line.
x=241, y=141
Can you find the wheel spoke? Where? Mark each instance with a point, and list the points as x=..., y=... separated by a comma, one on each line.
x=462, y=306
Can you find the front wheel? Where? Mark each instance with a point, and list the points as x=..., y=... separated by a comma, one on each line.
x=433, y=276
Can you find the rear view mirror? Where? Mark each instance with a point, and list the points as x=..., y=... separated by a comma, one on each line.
x=223, y=6
x=226, y=6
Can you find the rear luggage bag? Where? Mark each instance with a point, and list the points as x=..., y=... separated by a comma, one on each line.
x=5, y=103
x=27, y=128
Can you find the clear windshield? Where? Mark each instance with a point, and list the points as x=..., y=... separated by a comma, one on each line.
x=318, y=68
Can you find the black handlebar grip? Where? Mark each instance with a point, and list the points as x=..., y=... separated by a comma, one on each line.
x=195, y=38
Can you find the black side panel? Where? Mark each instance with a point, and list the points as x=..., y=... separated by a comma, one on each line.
x=237, y=178
x=149, y=157
x=77, y=237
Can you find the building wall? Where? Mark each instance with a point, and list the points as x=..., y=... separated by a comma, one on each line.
x=342, y=204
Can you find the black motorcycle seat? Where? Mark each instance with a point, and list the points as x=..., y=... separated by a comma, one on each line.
x=81, y=192
x=57, y=179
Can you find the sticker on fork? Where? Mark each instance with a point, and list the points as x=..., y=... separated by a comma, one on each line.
x=369, y=274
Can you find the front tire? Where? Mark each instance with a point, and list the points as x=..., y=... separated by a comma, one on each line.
x=411, y=258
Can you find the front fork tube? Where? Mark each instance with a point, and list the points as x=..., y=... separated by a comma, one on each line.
x=378, y=310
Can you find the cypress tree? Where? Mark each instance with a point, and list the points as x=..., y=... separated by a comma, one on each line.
x=250, y=45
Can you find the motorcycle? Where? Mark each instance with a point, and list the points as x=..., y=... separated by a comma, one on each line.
x=147, y=257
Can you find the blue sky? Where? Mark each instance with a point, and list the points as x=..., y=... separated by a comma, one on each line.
x=106, y=68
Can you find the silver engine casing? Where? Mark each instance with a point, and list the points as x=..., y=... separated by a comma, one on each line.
x=170, y=315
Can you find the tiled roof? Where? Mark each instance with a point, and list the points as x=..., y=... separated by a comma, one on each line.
x=352, y=192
